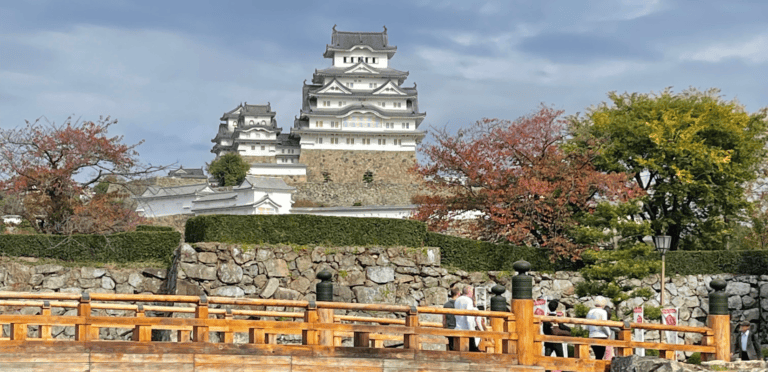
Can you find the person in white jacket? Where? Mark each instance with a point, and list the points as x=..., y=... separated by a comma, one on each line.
x=463, y=322
x=599, y=313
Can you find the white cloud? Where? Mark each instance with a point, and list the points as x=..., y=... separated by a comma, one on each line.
x=754, y=50
x=517, y=67
x=625, y=10
x=159, y=84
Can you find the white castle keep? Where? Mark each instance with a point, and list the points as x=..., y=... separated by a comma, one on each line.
x=356, y=108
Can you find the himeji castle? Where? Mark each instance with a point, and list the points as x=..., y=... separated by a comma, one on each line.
x=357, y=120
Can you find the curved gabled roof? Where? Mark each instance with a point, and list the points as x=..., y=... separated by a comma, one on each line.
x=346, y=41
x=335, y=71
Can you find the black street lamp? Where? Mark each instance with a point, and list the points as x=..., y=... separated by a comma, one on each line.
x=662, y=243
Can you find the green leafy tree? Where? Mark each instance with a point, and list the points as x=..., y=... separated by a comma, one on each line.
x=692, y=152
x=229, y=169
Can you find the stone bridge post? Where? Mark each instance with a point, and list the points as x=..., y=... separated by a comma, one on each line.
x=720, y=321
x=522, y=306
x=324, y=293
x=499, y=304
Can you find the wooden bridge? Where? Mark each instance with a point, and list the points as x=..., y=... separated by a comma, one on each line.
x=512, y=344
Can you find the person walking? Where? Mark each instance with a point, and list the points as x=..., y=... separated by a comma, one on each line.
x=465, y=322
x=554, y=329
x=449, y=320
x=745, y=344
x=600, y=332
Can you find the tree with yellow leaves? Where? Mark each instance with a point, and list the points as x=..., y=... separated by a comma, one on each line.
x=693, y=152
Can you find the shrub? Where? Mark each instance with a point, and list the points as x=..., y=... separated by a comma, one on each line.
x=753, y=262
x=695, y=358
x=121, y=247
x=609, y=290
x=153, y=228
x=638, y=261
x=644, y=292
x=652, y=312
x=651, y=352
x=581, y=310
x=305, y=229
x=577, y=331
x=476, y=255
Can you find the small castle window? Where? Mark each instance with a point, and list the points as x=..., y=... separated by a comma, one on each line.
x=251, y=122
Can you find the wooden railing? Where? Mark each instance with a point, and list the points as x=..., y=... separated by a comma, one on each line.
x=314, y=321
x=192, y=319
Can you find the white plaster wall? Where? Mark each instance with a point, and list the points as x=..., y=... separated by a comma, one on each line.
x=165, y=206
x=309, y=141
x=257, y=170
x=381, y=58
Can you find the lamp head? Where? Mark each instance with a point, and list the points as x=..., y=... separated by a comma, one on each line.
x=662, y=243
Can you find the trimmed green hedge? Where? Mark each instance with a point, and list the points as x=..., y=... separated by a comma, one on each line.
x=154, y=228
x=465, y=254
x=121, y=247
x=475, y=255
x=716, y=262
x=305, y=229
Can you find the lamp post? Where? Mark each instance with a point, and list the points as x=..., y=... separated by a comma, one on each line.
x=662, y=243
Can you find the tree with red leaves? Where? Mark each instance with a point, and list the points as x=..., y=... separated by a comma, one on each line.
x=514, y=181
x=41, y=161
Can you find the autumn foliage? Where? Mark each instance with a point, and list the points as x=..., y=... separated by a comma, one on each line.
x=514, y=181
x=45, y=164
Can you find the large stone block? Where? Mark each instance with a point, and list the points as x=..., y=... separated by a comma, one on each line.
x=737, y=288
x=200, y=272
x=230, y=273
x=276, y=268
x=228, y=291
x=380, y=274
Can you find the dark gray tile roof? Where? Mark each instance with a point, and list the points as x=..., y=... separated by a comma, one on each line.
x=364, y=106
x=154, y=191
x=345, y=40
x=273, y=183
x=187, y=173
x=258, y=110
x=343, y=71
x=217, y=196
x=249, y=110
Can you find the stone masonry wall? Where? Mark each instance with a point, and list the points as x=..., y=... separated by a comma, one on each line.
x=347, y=194
x=392, y=275
x=347, y=166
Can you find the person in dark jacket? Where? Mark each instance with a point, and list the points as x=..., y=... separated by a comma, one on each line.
x=449, y=320
x=551, y=328
x=745, y=344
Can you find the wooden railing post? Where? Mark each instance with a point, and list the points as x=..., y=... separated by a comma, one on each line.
x=522, y=306
x=324, y=293
x=141, y=333
x=720, y=320
x=229, y=336
x=624, y=334
x=200, y=332
x=411, y=341
x=83, y=331
x=498, y=304
x=44, y=332
x=309, y=336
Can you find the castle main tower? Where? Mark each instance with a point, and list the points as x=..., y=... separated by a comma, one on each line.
x=357, y=120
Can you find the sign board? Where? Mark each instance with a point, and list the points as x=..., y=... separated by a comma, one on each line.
x=670, y=316
x=638, y=316
x=540, y=307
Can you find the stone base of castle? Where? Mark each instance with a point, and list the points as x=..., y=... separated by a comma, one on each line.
x=349, y=166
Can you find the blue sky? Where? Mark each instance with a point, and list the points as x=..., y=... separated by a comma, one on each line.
x=167, y=70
